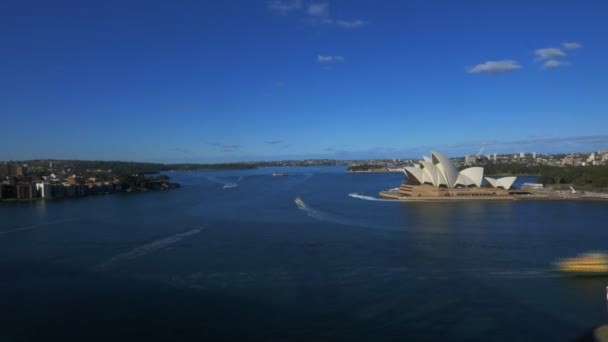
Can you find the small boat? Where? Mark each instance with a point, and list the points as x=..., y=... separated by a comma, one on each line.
x=278, y=174
x=588, y=264
x=299, y=202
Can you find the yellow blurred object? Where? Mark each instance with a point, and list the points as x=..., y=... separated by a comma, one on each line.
x=586, y=264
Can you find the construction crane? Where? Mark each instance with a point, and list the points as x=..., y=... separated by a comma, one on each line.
x=478, y=156
x=483, y=147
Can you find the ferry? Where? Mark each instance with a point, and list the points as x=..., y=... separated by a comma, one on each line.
x=278, y=174
x=588, y=264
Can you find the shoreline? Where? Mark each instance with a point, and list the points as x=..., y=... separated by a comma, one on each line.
x=385, y=170
x=170, y=186
x=395, y=195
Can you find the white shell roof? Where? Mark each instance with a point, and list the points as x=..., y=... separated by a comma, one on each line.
x=414, y=172
x=430, y=171
x=440, y=171
x=504, y=182
x=475, y=174
x=445, y=165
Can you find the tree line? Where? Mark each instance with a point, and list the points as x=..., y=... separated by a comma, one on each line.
x=592, y=176
x=365, y=167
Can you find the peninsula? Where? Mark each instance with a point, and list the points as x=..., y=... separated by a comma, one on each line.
x=437, y=178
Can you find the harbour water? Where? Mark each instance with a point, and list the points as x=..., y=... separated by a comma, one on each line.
x=232, y=256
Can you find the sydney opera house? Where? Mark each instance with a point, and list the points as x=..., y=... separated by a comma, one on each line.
x=438, y=178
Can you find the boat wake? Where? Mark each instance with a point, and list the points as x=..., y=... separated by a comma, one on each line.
x=225, y=184
x=523, y=274
x=310, y=211
x=327, y=217
x=20, y=229
x=376, y=199
x=370, y=198
x=294, y=179
x=146, y=249
x=35, y=226
x=302, y=178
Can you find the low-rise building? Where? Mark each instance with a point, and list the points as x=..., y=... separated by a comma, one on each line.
x=57, y=190
x=69, y=189
x=7, y=191
x=25, y=191
x=44, y=189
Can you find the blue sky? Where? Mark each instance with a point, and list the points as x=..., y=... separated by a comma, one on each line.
x=217, y=81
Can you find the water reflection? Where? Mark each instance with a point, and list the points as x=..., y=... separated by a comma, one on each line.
x=429, y=216
x=452, y=236
x=40, y=211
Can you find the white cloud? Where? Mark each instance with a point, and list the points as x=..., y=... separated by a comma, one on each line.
x=327, y=59
x=350, y=23
x=549, y=53
x=552, y=64
x=284, y=7
x=571, y=45
x=316, y=13
x=494, y=67
x=318, y=10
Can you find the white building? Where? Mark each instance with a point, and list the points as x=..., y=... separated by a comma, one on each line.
x=469, y=159
x=439, y=171
x=44, y=189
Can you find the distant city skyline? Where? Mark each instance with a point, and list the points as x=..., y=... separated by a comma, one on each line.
x=211, y=82
x=377, y=154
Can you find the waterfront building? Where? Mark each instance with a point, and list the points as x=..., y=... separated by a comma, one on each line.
x=81, y=190
x=468, y=159
x=533, y=186
x=25, y=191
x=57, y=190
x=437, y=177
x=69, y=189
x=7, y=191
x=44, y=189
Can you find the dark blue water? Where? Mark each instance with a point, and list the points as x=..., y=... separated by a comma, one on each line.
x=230, y=256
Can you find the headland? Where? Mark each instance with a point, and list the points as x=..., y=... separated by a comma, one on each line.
x=436, y=178
x=517, y=195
